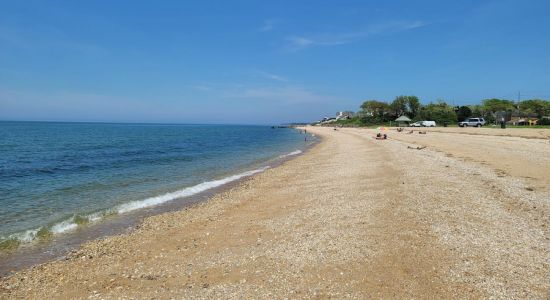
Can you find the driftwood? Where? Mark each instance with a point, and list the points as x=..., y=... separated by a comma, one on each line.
x=417, y=148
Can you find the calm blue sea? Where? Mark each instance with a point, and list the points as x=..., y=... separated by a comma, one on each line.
x=55, y=177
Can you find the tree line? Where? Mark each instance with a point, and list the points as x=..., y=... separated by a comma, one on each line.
x=378, y=112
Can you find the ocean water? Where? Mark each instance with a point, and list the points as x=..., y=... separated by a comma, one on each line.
x=57, y=177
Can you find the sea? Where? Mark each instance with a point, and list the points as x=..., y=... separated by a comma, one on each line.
x=58, y=178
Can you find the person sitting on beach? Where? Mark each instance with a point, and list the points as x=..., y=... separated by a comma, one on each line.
x=379, y=136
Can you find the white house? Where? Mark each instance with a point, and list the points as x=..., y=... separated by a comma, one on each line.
x=344, y=115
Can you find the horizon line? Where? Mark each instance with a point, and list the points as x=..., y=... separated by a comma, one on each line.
x=148, y=123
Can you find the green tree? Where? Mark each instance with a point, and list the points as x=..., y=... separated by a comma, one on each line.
x=375, y=112
x=375, y=107
x=493, y=105
x=405, y=105
x=413, y=106
x=538, y=106
x=463, y=113
x=440, y=112
x=480, y=111
x=399, y=106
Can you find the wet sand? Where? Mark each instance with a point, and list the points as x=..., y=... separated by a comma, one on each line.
x=465, y=217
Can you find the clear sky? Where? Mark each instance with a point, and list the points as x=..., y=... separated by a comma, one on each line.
x=258, y=62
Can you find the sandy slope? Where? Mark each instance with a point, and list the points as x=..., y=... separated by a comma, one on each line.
x=522, y=153
x=354, y=217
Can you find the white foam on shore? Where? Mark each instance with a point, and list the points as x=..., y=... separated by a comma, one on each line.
x=295, y=152
x=95, y=217
x=26, y=236
x=64, y=226
x=186, y=192
x=71, y=225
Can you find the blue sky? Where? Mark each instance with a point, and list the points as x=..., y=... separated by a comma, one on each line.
x=260, y=62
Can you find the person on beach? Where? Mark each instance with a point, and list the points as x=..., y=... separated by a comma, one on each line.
x=379, y=136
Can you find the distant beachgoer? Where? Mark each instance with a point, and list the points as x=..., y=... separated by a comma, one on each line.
x=380, y=136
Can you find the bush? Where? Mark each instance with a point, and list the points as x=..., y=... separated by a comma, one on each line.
x=351, y=122
x=439, y=112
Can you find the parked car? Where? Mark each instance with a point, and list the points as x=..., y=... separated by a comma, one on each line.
x=428, y=123
x=477, y=122
x=423, y=124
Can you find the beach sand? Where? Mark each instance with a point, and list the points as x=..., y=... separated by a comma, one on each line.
x=466, y=217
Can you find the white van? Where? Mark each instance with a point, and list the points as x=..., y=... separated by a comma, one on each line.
x=428, y=123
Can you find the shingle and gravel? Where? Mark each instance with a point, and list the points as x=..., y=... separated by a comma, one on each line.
x=353, y=218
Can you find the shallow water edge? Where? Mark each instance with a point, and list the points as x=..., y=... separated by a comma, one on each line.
x=58, y=246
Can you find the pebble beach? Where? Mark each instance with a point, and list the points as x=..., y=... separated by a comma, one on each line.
x=454, y=213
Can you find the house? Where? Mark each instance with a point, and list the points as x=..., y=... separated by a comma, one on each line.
x=520, y=118
x=344, y=115
x=326, y=120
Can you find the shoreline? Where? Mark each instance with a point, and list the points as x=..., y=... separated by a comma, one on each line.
x=354, y=217
x=56, y=248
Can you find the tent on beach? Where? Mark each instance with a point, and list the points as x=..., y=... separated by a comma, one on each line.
x=403, y=121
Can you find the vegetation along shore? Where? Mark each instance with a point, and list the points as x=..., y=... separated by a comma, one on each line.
x=532, y=112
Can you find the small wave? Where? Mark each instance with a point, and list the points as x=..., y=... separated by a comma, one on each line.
x=64, y=226
x=26, y=236
x=72, y=223
x=96, y=216
x=45, y=232
x=186, y=192
x=14, y=240
x=295, y=152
